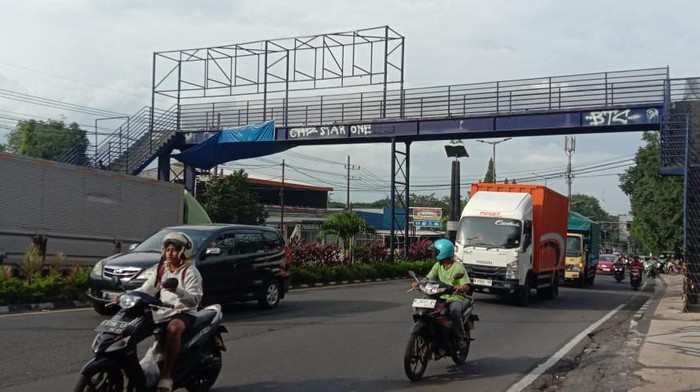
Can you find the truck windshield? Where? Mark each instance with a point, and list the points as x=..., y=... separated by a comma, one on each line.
x=489, y=232
x=573, y=246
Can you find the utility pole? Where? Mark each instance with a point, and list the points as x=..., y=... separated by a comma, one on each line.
x=569, y=148
x=493, y=144
x=348, y=177
x=284, y=232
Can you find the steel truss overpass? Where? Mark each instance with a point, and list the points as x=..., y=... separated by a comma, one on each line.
x=211, y=89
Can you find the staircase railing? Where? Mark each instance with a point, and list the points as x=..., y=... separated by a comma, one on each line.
x=133, y=144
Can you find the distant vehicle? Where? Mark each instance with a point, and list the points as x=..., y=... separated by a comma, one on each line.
x=237, y=263
x=512, y=238
x=582, y=249
x=605, y=264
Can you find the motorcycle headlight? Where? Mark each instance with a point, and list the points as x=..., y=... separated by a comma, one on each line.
x=431, y=288
x=127, y=301
x=98, y=268
x=512, y=270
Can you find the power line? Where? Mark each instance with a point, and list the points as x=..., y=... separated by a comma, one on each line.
x=66, y=79
x=47, y=102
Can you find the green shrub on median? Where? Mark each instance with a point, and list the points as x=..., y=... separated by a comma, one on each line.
x=51, y=287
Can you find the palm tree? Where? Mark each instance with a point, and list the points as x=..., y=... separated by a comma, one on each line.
x=345, y=225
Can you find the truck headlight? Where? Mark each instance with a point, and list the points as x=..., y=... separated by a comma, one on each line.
x=512, y=270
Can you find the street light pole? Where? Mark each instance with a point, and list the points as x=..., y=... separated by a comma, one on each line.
x=494, y=153
x=569, y=148
x=455, y=149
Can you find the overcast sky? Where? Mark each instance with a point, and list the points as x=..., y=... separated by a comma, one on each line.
x=99, y=54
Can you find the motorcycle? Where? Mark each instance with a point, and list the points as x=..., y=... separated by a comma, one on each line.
x=432, y=336
x=651, y=270
x=115, y=346
x=619, y=272
x=635, y=277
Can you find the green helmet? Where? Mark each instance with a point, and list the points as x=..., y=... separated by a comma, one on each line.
x=444, y=248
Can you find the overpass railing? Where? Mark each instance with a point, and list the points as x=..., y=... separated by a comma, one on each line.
x=594, y=90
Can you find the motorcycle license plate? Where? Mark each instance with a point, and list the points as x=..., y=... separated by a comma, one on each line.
x=424, y=303
x=483, y=282
x=112, y=326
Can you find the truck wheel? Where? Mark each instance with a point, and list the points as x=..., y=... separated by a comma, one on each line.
x=581, y=282
x=522, y=295
x=553, y=290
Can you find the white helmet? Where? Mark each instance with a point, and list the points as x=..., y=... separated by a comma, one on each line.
x=182, y=241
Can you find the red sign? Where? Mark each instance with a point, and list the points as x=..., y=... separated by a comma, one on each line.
x=426, y=213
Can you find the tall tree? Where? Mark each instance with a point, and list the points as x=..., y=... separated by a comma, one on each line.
x=229, y=200
x=49, y=140
x=656, y=200
x=589, y=207
x=489, y=172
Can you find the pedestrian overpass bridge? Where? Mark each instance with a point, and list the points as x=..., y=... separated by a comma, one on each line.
x=601, y=102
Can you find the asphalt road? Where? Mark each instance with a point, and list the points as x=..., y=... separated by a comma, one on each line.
x=344, y=338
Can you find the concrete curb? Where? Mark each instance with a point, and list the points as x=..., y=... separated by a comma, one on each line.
x=42, y=306
x=46, y=306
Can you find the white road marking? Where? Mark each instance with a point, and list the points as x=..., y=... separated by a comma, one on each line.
x=542, y=368
x=539, y=370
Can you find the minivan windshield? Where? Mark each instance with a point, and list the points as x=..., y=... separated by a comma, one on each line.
x=154, y=243
x=489, y=232
x=573, y=246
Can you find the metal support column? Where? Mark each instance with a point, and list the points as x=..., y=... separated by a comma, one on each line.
x=400, y=162
x=164, y=167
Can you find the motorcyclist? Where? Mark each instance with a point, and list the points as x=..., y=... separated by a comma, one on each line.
x=444, y=271
x=176, y=262
x=636, y=263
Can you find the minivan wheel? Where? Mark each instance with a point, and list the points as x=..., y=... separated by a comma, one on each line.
x=271, y=295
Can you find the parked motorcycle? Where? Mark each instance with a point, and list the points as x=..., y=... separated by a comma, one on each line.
x=116, y=360
x=432, y=336
x=619, y=272
x=635, y=277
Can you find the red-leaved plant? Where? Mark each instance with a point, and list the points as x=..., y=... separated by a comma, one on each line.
x=420, y=250
x=313, y=254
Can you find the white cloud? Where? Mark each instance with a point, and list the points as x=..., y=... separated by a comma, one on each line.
x=109, y=44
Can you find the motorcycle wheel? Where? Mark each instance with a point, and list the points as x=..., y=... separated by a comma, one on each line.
x=203, y=380
x=415, y=359
x=460, y=356
x=104, y=380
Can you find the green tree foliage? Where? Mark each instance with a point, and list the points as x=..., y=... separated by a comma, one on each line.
x=345, y=225
x=3, y=148
x=589, y=207
x=48, y=140
x=657, y=201
x=229, y=200
x=489, y=172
